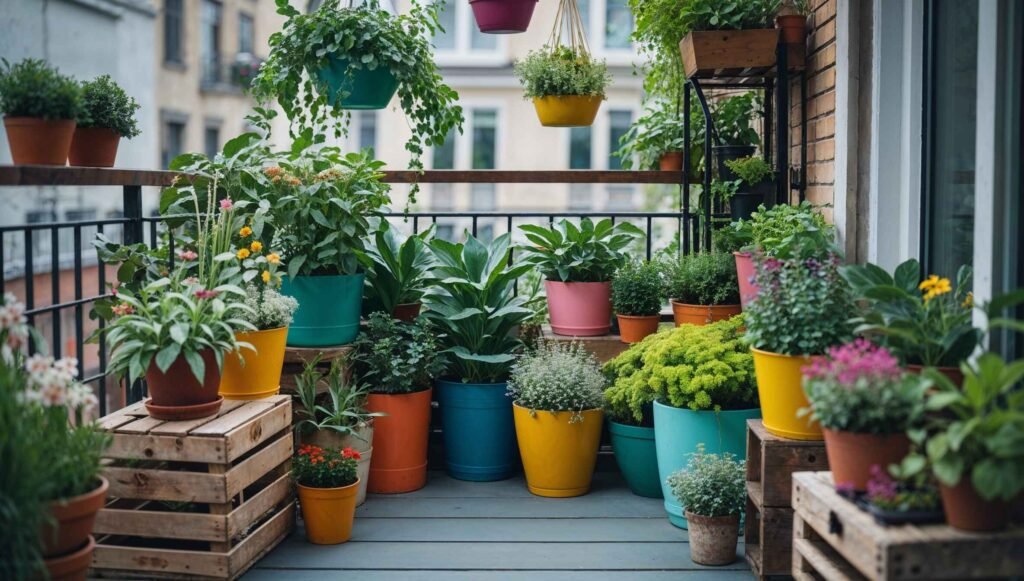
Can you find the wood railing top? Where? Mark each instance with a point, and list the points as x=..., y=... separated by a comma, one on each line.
x=42, y=175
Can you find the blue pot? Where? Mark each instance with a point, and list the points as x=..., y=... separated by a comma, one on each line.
x=329, y=309
x=479, y=430
x=637, y=458
x=677, y=432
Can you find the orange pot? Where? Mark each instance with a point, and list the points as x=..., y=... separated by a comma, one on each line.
x=328, y=513
x=851, y=455
x=967, y=510
x=399, y=461
x=671, y=161
x=702, y=314
x=39, y=141
x=94, y=147
x=74, y=518
x=73, y=566
x=634, y=329
x=793, y=28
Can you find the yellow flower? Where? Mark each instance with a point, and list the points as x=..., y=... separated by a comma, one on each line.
x=266, y=276
x=968, y=301
x=934, y=286
x=256, y=246
x=243, y=253
x=245, y=232
x=274, y=258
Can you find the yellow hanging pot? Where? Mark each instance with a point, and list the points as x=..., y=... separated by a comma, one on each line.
x=567, y=110
x=260, y=376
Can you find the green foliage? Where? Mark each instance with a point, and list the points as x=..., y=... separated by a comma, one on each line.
x=711, y=484
x=32, y=88
x=734, y=118
x=398, y=268
x=473, y=304
x=751, y=170
x=922, y=323
x=724, y=190
x=367, y=37
x=396, y=357
x=803, y=307
x=725, y=239
x=696, y=367
x=557, y=377
x=703, y=279
x=105, y=104
x=636, y=289
x=976, y=431
x=341, y=409
x=659, y=131
x=657, y=29
x=585, y=253
x=561, y=71
x=137, y=265
x=318, y=467
x=728, y=14
x=786, y=231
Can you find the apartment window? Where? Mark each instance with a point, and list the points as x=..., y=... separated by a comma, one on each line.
x=173, y=18
x=173, y=141
x=485, y=128
x=211, y=140
x=481, y=41
x=445, y=39
x=618, y=124
x=445, y=232
x=461, y=38
x=485, y=233
x=88, y=233
x=246, y=34
x=444, y=154
x=368, y=130
x=210, y=35
x=581, y=197
x=41, y=238
x=618, y=25
x=482, y=198
x=580, y=147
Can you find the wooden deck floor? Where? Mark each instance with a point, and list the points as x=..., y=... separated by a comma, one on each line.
x=463, y=531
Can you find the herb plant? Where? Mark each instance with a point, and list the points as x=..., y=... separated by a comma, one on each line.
x=788, y=231
x=561, y=71
x=396, y=357
x=585, y=253
x=703, y=279
x=751, y=170
x=656, y=132
x=636, y=289
x=32, y=88
x=724, y=190
x=728, y=14
x=341, y=409
x=268, y=308
x=557, y=377
x=711, y=484
x=398, y=268
x=317, y=467
x=734, y=117
x=106, y=105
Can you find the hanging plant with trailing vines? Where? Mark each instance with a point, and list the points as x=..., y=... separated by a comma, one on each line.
x=367, y=37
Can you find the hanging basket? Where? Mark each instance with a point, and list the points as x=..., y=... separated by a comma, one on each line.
x=364, y=89
x=503, y=16
x=568, y=110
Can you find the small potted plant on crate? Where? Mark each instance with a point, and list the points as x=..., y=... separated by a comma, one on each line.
x=902, y=499
x=702, y=289
x=629, y=408
x=40, y=106
x=107, y=115
x=398, y=271
x=756, y=179
x=558, y=395
x=713, y=489
x=636, y=299
x=327, y=483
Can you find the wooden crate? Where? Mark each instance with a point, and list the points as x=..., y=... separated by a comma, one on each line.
x=734, y=54
x=604, y=347
x=201, y=498
x=833, y=539
x=768, y=529
x=296, y=358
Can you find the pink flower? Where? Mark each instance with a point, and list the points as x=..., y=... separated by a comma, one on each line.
x=191, y=280
x=123, y=309
x=205, y=294
x=226, y=204
x=188, y=255
x=857, y=360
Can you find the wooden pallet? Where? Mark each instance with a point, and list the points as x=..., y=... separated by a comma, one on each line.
x=833, y=539
x=201, y=498
x=768, y=529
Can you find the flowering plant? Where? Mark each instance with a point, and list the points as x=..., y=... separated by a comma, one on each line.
x=557, y=378
x=860, y=388
x=711, y=484
x=318, y=467
x=268, y=308
x=923, y=322
x=890, y=494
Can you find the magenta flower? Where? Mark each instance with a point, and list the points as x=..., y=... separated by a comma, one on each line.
x=226, y=204
x=849, y=363
x=205, y=294
x=881, y=485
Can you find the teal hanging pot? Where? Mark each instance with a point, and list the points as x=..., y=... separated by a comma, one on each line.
x=365, y=89
x=329, y=308
x=479, y=430
x=637, y=458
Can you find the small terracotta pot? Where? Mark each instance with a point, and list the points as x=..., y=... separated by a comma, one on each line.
x=745, y=276
x=177, y=395
x=953, y=373
x=74, y=519
x=713, y=539
x=328, y=513
x=793, y=27
x=39, y=141
x=702, y=314
x=73, y=566
x=851, y=455
x=634, y=329
x=967, y=510
x=579, y=309
x=671, y=161
x=400, y=441
x=407, y=311
x=94, y=147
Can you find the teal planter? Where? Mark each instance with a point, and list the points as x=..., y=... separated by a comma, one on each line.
x=637, y=458
x=677, y=433
x=366, y=89
x=479, y=431
x=329, y=308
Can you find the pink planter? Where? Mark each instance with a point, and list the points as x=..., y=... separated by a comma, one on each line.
x=503, y=16
x=745, y=274
x=579, y=309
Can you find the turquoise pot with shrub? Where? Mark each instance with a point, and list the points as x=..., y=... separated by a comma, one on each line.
x=678, y=431
x=479, y=430
x=366, y=89
x=637, y=457
x=329, y=309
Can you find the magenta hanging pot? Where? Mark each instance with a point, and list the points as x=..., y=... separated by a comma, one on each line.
x=503, y=16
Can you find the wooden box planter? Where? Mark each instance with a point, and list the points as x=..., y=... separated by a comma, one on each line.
x=734, y=53
x=771, y=461
x=199, y=498
x=834, y=539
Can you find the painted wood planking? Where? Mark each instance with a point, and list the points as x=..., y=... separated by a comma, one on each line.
x=540, y=530
x=258, y=574
x=582, y=507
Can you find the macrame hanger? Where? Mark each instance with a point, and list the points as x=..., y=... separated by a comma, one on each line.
x=568, y=20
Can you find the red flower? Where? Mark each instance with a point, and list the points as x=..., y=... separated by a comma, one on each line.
x=350, y=453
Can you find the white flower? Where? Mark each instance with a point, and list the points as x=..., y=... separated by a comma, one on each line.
x=38, y=365
x=53, y=395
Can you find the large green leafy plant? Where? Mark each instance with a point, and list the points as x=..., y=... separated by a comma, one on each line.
x=711, y=484
x=660, y=131
x=473, y=304
x=561, y=71
x=398, y=268
x=32, y=88
x=106, y=105
x=728, y=14
x=734, y=119
x=703, y=279
x=585, y=253
x=395, y=357
x=751, y=170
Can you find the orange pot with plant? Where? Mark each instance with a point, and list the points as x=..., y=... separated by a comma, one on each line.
x=39, y=106
x=107, y=115
x=636, y=298
x=703, y=289
x=327, y=485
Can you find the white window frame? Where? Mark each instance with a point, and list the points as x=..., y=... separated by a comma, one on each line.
x=598, y=19
x=463, y=55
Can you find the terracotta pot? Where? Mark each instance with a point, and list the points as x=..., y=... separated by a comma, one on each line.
x=74, y=518
x=579, y=309
x=94, y=147
x=74, y=566
x=793, y=28
x=713, y=539
x=400, y=441
x=851, y=455
x=702, y=314
x=967, y=510
x=671, y=161
x=953, y=373
x=39, y=141
x=745, y=275
x=361, y=441
x=407, y=311
x=634, y=329
x=177, y=395
x=328, y=513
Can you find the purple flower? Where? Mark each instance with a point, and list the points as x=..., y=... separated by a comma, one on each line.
x=880, y=485
x=202, y=294
x=853, y=361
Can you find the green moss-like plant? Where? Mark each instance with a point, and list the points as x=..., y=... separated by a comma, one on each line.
x=561, y=72
x=32, y=88
x=695, y=367
x=106, y=105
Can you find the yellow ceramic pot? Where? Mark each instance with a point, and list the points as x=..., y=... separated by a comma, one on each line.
x=558, y=456
x=259, y=375
x=780, y=388
x=567, y=110
x=361, y=441
x=328, y=513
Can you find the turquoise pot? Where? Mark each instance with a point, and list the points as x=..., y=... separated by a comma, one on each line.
x=637, y=458
x=366, y=89
x=329, y=308
x=677, y=432
x=479, y=430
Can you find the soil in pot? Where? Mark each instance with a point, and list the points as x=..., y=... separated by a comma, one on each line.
x=39, y=141
x=579, y=309
x=671, y=161
x=967, y=510
x=407, y=312
x=73, y=566
x=502, y=16
x=635, y=329
x=558, y=456
x=713, y=539
x=851, y=455
x=74, y=519
x=567, y=110
x=94, y=147
x=177, y=395
x=328, y=513
x=685, y=314
x=400, y=441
